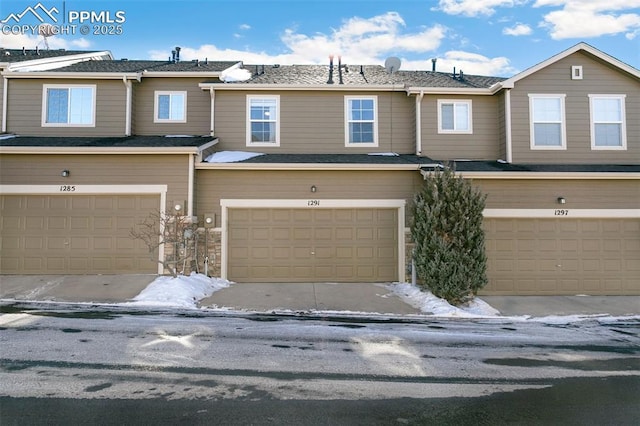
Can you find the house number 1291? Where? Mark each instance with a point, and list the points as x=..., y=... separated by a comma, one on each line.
x=313, y=203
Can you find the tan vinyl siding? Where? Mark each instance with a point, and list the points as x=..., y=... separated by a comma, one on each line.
x=198, y=107
x=24, y=115
x=172, y=170
x=314, y=122
x=214, y=185
x=482, y=144
x=543, y=194
x=599, y=78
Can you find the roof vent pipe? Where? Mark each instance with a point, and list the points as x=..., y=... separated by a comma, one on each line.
x=178, y=53
x=340, y=69
x=330, y=81
x=173, y=56
x=433, y=64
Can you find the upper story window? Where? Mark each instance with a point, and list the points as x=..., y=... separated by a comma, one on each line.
x=170, y=107
x=454, y=116
x=68, y=105
x=608, y=128
x=263, y=120
x=361, y=125
x=547, y=116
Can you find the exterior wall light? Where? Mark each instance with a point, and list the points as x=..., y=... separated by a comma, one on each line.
x=65, y=173
x=210, y=220
x=561, y=200
x=177, y=208
x=313, y=188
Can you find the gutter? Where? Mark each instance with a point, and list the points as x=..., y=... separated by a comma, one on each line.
x=96, y=150
x=312, y=87
x=307, y=166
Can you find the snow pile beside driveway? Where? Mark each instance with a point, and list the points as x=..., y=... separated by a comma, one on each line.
x=182, y=291
x=430, y=304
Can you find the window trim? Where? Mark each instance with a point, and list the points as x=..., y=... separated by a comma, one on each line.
x=249, y=142
x=156, y=105
x=468, y=103
x=623, y=123
x=45, y=102
x=563, y=122
x=347, y=121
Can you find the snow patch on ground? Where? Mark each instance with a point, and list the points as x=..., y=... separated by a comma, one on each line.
x=231, y=156
x=430, y=304
x=182, y=291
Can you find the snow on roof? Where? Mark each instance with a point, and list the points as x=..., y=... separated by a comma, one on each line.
x=231, y=156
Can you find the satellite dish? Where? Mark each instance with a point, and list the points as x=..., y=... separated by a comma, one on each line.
x=392, y=64
x=46, y=30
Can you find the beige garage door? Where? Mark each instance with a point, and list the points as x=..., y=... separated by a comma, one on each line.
x=74, y=234
x=313, y=245
x=563, y=256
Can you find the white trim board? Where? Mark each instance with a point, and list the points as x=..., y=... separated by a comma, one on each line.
x=563, y=213
x=310, y=203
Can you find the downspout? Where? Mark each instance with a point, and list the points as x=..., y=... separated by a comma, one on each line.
x=419, y=123
x=192, y=175
x=5, y=99
x=127, y=119
x=212, y=93
x=507, y=126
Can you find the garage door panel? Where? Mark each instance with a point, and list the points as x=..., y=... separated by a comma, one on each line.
x=63, y=233
x=321, y=244
x=563, y=256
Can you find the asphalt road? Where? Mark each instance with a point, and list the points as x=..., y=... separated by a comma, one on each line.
x=115, y=367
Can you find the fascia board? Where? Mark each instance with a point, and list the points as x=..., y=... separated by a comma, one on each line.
x=451, y=91
x=291, y=87
x=304, y=166
x=61, y=58
x=72, y=75
x=207, y=74
x=34, y=150
x=552, y=175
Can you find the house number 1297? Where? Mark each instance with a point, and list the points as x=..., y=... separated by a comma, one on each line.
x=561, y=212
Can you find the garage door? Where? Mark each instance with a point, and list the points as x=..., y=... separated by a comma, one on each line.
x=74, y=234
x=311, y=245
x=563, y=256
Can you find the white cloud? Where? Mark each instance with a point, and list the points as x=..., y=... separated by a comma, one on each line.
x=518, y=30
x=474, y=7
x=244, y=27
x=18, y=41
x=358, y=40
x=591, y=18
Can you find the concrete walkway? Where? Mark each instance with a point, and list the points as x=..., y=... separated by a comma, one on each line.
x=265, y=297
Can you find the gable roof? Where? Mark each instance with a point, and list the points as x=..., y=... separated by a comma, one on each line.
x=41, y=60
x=147, y=66
x=361, y=77
x=509, y=83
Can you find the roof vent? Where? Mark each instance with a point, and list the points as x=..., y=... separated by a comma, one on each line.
x=433, y=64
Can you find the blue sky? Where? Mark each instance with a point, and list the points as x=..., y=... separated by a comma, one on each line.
x=487, y=37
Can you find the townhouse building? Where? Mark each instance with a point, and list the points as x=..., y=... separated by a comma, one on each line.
x=303, y=173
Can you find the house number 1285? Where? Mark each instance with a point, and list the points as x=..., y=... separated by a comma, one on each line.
x=67, y=188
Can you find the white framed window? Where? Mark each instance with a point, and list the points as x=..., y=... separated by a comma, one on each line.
x=361, y=121
x=547, y=121
x=263, y=120
x=454, y=116
x=170, y=107
x=68, y=105
x=608, y=127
